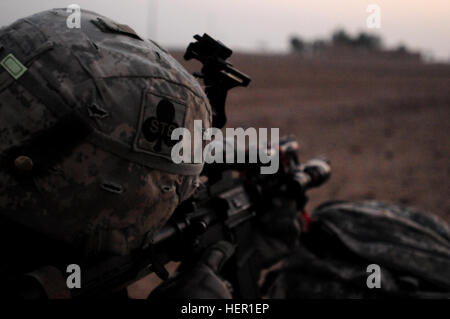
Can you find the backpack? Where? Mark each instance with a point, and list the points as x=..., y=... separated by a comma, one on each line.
x=367, y=249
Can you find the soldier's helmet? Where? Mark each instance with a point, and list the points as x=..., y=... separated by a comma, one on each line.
x=86, y=116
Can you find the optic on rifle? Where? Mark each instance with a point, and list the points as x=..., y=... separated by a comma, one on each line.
x=219, y=76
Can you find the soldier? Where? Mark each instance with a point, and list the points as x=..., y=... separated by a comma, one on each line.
x=86, y=117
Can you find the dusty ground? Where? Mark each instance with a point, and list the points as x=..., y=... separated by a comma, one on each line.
x=383, y=123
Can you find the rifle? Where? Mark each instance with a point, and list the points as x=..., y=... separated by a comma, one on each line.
x=225, y=207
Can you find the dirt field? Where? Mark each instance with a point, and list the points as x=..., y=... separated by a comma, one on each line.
x=382, y=122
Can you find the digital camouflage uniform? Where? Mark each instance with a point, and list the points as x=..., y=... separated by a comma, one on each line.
x=412, y=249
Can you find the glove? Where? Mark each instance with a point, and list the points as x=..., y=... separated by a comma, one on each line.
x=202, y=280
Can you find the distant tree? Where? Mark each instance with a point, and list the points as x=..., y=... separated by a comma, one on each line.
x=318, y=45
x=297, y=44
x=341, y=38
x=363, y=40
x=367, y=41
x=401, y=49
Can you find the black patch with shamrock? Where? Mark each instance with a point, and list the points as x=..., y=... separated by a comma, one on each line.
x=159, y=129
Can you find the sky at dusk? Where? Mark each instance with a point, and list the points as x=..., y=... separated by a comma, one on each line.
x=255, y=25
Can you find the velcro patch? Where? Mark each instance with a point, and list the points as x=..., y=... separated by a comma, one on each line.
x=160, y=115
x=14, y=67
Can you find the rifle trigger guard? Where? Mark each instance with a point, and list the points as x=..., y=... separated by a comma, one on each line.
x=158, y=268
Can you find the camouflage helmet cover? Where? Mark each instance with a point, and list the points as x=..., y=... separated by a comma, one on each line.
x=85, y=122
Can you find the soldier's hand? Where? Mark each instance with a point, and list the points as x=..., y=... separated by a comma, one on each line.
x=201, y=281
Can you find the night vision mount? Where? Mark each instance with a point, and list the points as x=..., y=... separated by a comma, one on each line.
x=219, y=76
